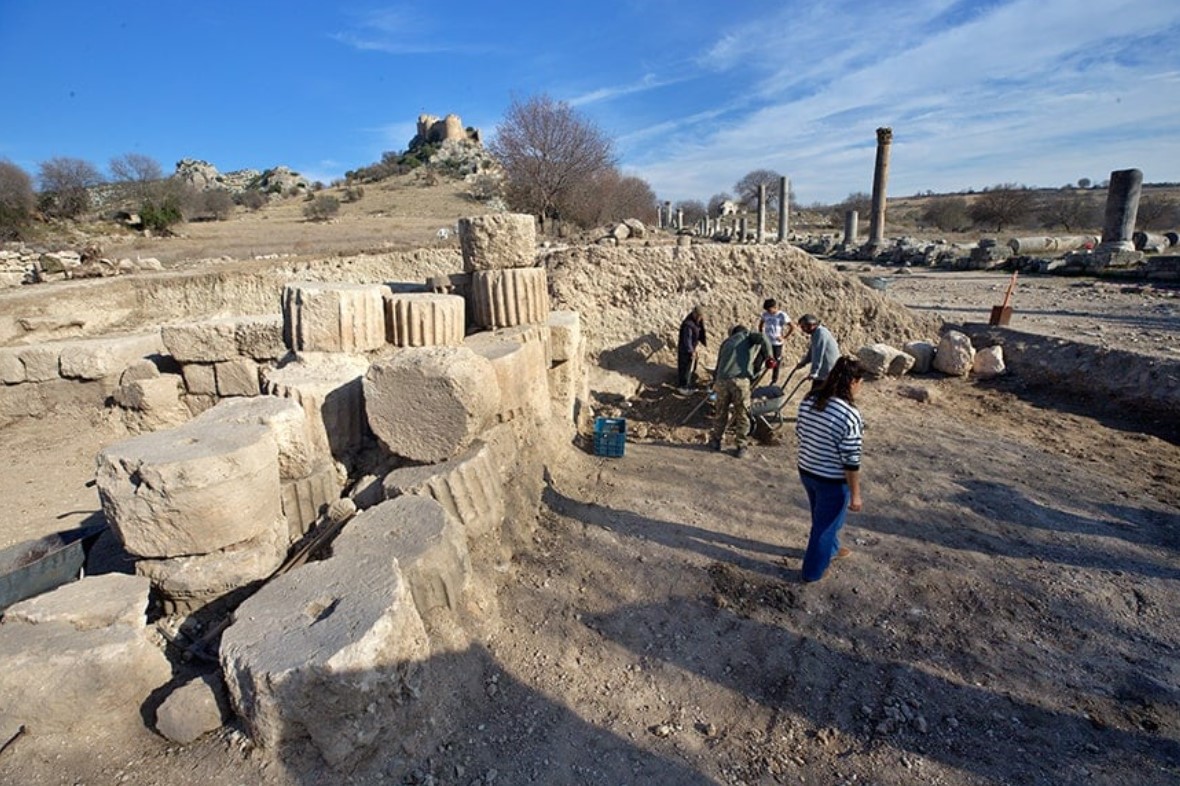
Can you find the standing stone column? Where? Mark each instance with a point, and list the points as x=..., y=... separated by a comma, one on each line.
x=761, y=212
x=679, y=219
x=784, y=209
x=659, y=215
x=850, y=228
x=742, y=230
x=1122, y=207
x=668, y=215
x=880, y=178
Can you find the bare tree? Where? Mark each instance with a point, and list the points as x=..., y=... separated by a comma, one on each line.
x=63, y=186
x=747, y=188
x=17, y=200
x=548, y=151
x=1002, y=205
x=1069, y=210
x=609, y=197
x=947, y=213
x=1156, y=212
x=138, y=170
x=859, y=201
x=694, y=210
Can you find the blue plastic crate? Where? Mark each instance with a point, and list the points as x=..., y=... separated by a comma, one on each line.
x=610, y=436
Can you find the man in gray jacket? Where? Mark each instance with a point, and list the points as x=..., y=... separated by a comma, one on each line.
x=822, y=352
x=739, y=360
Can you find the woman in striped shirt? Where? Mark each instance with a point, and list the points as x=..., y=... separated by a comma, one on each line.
x=829, y=429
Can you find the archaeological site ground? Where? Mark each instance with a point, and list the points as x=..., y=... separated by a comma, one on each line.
x=346, y=521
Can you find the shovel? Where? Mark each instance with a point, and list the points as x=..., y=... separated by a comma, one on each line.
x=1002, y=314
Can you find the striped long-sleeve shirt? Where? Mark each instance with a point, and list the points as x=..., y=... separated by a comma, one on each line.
x=829, y=439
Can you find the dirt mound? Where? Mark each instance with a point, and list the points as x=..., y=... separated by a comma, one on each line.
x=632, y=299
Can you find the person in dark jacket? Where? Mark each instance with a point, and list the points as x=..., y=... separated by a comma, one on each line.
x=692, y=338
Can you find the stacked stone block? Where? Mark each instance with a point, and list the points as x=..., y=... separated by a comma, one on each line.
x=424, y=319
x=224, y=357
x=499, y=251
x=568, y=375
x=328, y=387
x=334, y=317
x=199, y=505
x=520, y=364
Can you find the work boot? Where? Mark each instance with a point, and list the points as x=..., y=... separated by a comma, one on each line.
x=715, y=444
x=843, y=552
x=740, y=452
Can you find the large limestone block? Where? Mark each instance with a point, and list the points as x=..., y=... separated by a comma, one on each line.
x=334, y=317
x=521, y=365
x=191, y=710
x=191, y=490
x=429, y=545
x=329, y=388
x=305, y=498
x=881, y=360
x=70, y=671
x=332, y=654
x=506, y=298
x=226, y=338
x=423, y=319
x=200, y=378
x=188, y=583
x=923, y=354
x=955, y=354
x=106, y=357
x=569, y=390
x=42, y=362
x=152, y=404
x=237, y=377
x=429, y=403
x=285, y=419
x=565, y=335
x=498, y=241
x=12, y=370
x=468, y=487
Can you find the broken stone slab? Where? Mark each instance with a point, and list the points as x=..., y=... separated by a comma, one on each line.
x=497, y=241
x=286, y=421
x=954, y=355
x=237, y=377
x=429, y=544
x=569, y=390
x=330, y=390
x=194, y=489
x=879, y=360
x=468, y=487
x=100, y=358
x=192, y=710
x=333, y=653
x=226, y=338
x=923, y=354
x=42, y=362
x=58, y=664
x=334, y=317
x=429, y=403
x=565, y=335
x=200, y=378
x=137, y=370
x=12, y=369
x=186, y=584
x=152, y=404
x=305, y=498
x=423, y=319
x=520, y=360
x=507, y=298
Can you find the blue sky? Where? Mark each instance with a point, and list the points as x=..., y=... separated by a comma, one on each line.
x=694, y=94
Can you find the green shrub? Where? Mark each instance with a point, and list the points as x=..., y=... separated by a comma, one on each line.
x=160, y=216
x=251, y=199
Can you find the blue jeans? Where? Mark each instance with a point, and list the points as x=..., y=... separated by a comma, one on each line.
x=829, y=505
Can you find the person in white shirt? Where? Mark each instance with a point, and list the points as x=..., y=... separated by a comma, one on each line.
x=778, y=327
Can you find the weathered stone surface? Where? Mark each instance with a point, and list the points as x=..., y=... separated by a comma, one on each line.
x=520, y=361
x=988, y=362
x=192, y=710
x=137, y=370
x=565, y=335
x=954, y=355
x=226, y=338
x=200, y=378
x=260, y=337
x=507, y=298
x=332, y=654
x=424, y=319
x=105, y=357
x=56, y=664
x=42, y=362
x=306, y=497
x=498, y=241
x=429, y=545
x=334, y=317
x=191, y=490
x=569, y=390
x=329, y=389
x=637, y=228
x=190, y=582
x=286, y=421
x=922, y=353
x=152, y=404
x=238, y=377
x=12, y=370
x=468, y=487
x=881, y=360
x=429, y=403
